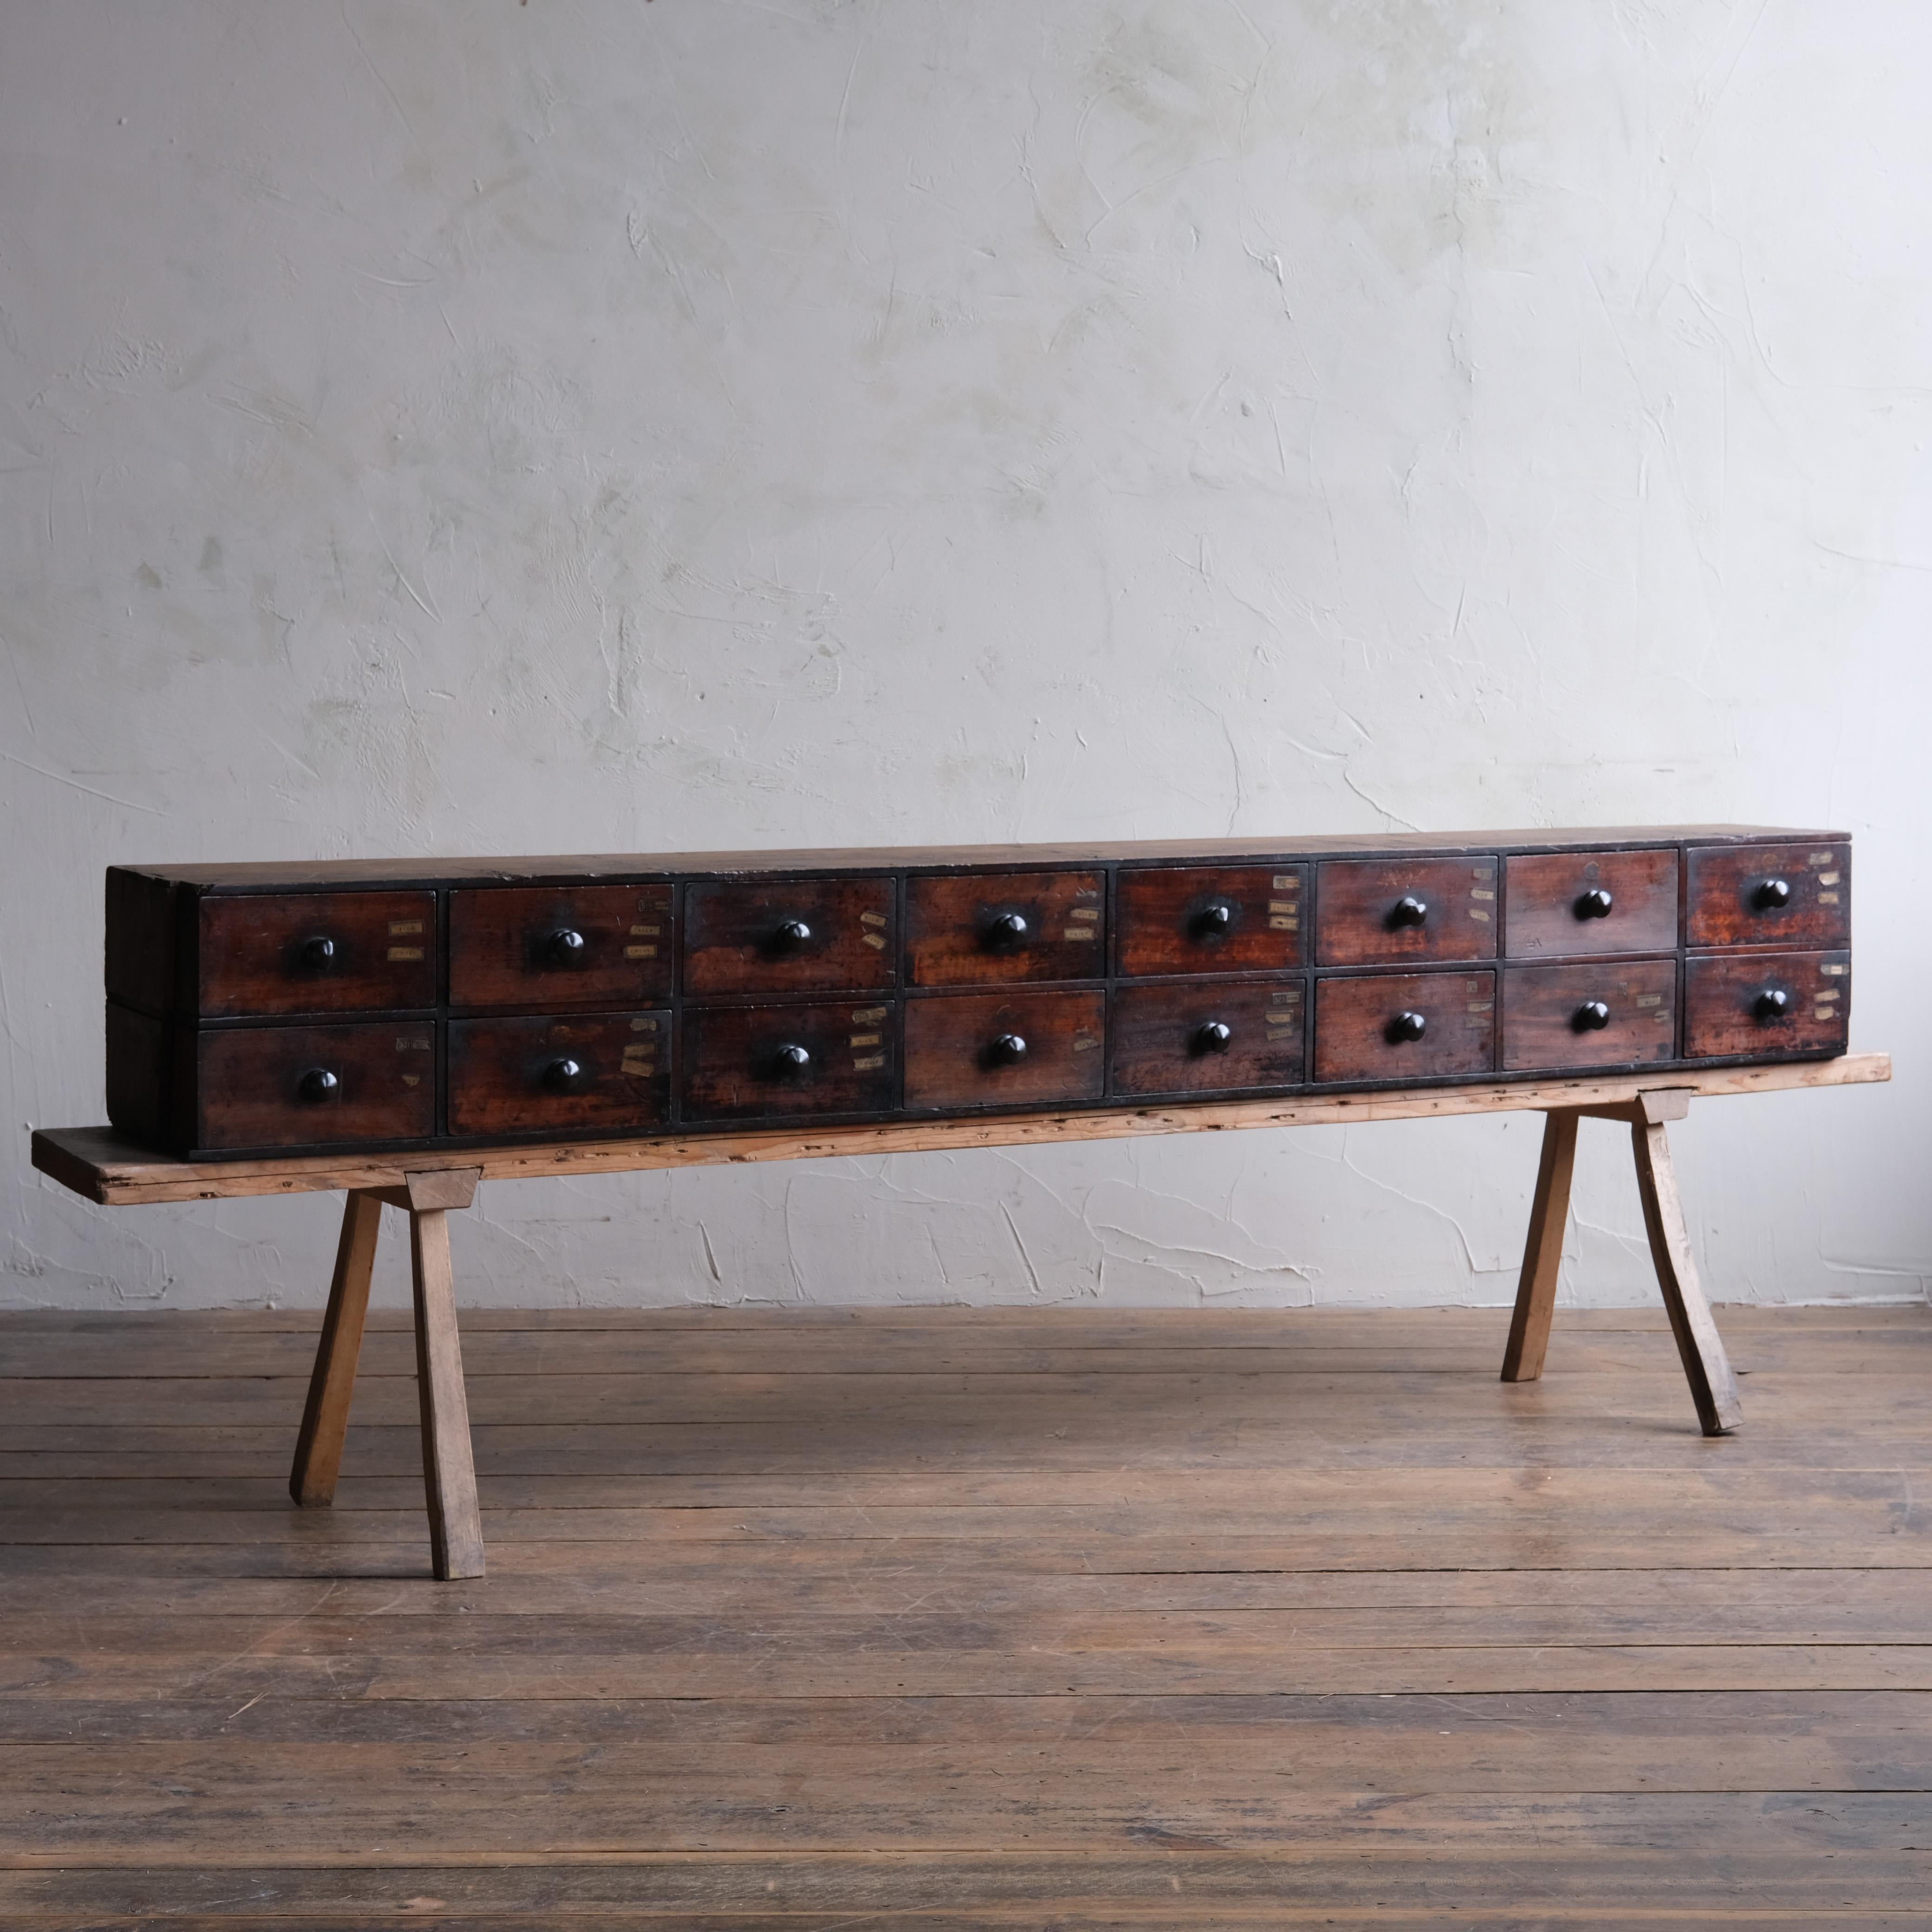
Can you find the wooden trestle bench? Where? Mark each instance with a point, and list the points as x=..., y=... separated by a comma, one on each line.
x=102, y=1166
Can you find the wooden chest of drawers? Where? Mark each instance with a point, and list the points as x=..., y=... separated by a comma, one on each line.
x=253, y=1008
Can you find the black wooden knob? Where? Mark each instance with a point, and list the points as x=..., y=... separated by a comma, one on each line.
x=1010, y=928
x=1772, y=894
x=1408, y=1026
x=1773, y=1003
x=1595, y=904
x=1212, y=1037
x=317, y=1085
x=1592, y=1016
x=789, y=934
x=1409, y=911
x=564, y=1076
x=566, y=947
x=790, y=1060
x=1008, y=1049
x=1215, y=920
x=318, y=955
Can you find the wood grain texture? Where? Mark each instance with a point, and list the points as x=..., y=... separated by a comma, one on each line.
x=1356, y=1017
x=507, y=948
x=1542, y=1249
x=102, y=1166
x=449, y=1473
x=249, y=1092
x=1542, y=1004
x=324, y=1421
x=1544, y=918
x=953, y=1057
x=735, y=1064
x=1158, y=1046
x=1723, y=903
x=1168, y=1644
x=1169, y=924
x=253, y=953
x=1724, y=995
x=955, y=936
x=735, y=937
x=140, y=949
x=511, y=1076
x=1357, y=921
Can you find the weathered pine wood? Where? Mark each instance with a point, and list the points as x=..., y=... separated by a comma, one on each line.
x=325, y=1418
x=1543, y=1250
x=449, y=1474
x=103, y=1166
x=1713, y=1388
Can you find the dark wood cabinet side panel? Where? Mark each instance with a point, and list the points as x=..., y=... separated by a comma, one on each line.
x=266, y=955
x=139, y=1071
x=1562, y=903
x=739, y=1063
x=559, y=1072
x=1735, y=897
x=543, y=946
x=1004, y=928
x=1358, y=1032
x=1732, y=1009
x=1622, y=1013
x=1209, y=1036
x=789, y=936
x=1396, y=912
x=140, y=941
x=959, y=1048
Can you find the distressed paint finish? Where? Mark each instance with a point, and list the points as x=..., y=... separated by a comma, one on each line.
x=450, y=428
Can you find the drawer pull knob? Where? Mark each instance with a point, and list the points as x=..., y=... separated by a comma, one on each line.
x=789, y=934
x=564, y=1076
x=1008, y=929
x=1007, y=1051
x=1409, y=911
x=318, y=955
x=1407, y=1026
x=566, y=947
x=1595, y=904
x=1592, y=1016
x=1212, y=1037
x=317, y=1085
x=1772, y=896
x=1772, y=1003
x=791, y=1061
x=1215, y=921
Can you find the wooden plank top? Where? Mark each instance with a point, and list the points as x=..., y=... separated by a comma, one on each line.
x=99, y=1164
x=256, y=876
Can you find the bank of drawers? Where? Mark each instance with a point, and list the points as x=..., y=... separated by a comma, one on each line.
x=585, y=1007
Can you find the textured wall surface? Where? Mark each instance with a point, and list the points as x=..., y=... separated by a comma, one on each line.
x=465, y=426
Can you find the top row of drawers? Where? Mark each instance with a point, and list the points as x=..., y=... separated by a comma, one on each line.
x=260, y=955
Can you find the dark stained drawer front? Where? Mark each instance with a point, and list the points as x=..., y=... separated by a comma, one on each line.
x=780, y=936
x=272, y=1086
x=1795, y=896
x=1399, y=1027
x=1197, y=918
x=1004, y=1050
x=1205, y=1037
x=1000, y=928
x=1759, y=1004
x=1377, y=912
x=1610, y=1016
x=1562, y=903
x=545, y=1073
x=745, y=1063
x=262, y=954
x=543, y=946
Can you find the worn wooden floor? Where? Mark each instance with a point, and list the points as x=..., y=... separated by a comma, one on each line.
x=967, y=1619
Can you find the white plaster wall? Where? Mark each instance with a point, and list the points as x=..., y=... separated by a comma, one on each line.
x=465, y=428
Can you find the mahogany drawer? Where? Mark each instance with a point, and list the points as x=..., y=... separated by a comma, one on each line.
x=296, y=1086
x=1196, y=919
x=546, y=946
x=1563, y=903
x=1622, y=1014
x=790, y=936
x=743, y=1063
x=1798, y=896
x=1755, y=1005
x=1206, y=1036
x=1377, y=912
x=262, y=955
x=1004, y=1049
x=979, y=928
x=1366, y=1026
x=543, y=1073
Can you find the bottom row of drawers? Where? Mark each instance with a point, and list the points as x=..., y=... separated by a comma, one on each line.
x=367, y=1081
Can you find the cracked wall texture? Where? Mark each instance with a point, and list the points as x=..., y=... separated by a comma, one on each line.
x=469, y=427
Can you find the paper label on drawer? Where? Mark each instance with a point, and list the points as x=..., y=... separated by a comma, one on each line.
x=1287, y=882
x=1824, y=995
x=411, y=1079
x=643, y=1026
x=413, y=1042
x=1835, y=972
x=870, y=1064
x=1829, y=878
x=1084, y=912
x=1278, y=924
x=403, y=953
x=865, y=1015
x=404, y=929
x=874, y=941
x=1477, y=914
x=1827, y=899
x=640, y=953
x=864, y=1039
x=645, y=931
x=871, y=919
x=1648, y=1000
x=638, y=1059
x=1084, y=1042
x=1821, y=858
x=1478, y=892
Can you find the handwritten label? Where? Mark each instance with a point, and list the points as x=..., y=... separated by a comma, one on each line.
x=405, y=952
x=640, y=953
x=403, y=928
